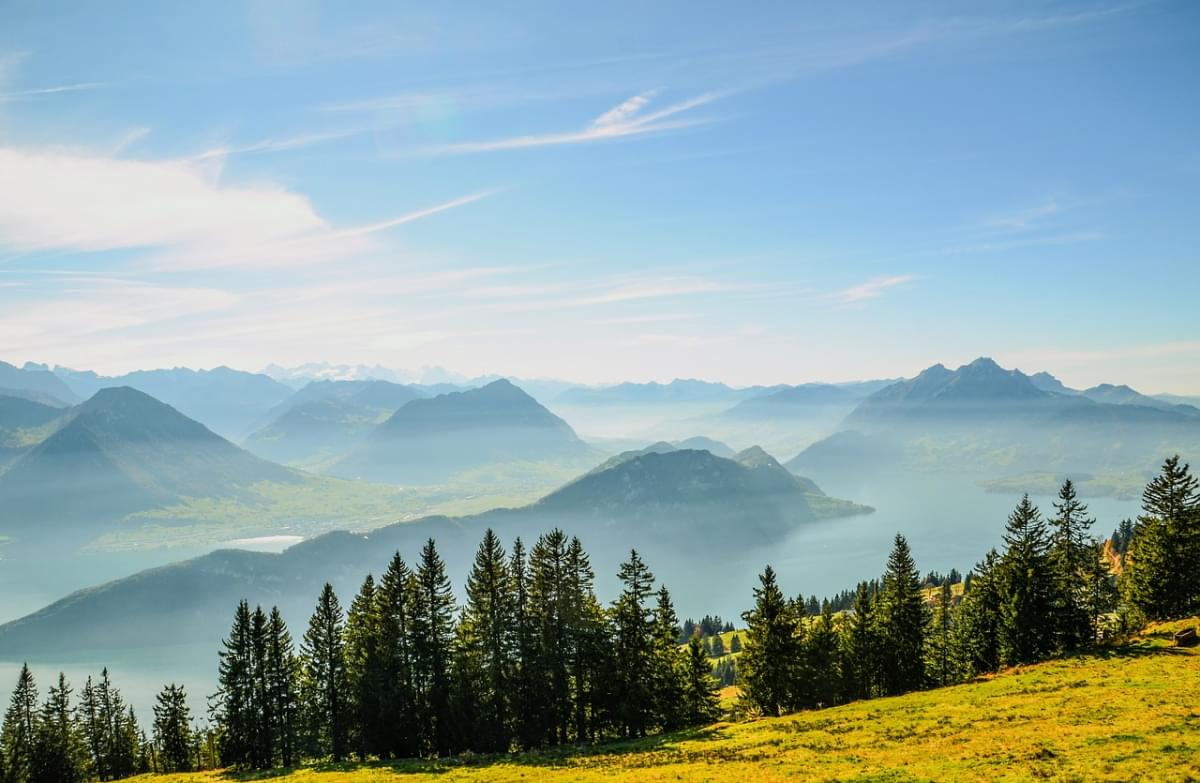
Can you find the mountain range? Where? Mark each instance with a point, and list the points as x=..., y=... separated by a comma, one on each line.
x=228, y=402
x=36, y=383
x=982, y=417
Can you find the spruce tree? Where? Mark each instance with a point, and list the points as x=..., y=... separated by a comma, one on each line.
x=940, y=658
x=1162, y=564
x=589, y=662
x=768, y=662
x=173, y=729
x=325, y=688
x=668, y=669
x=365, y=673
x=20, y=728
x=549, y=608
x=700, y=703
x=398, y=698
x=283, y=699
x=902, y=620
x=433, y=638
x=88, y=714
x=822, y=661
x=59, y=755
x=860, y=647
x=1072, y=553
x=490, y=643
x=977, y=633
x=234, y=707
x=525, y=691
x=1027, y=621
x=262, y=754
x=634, y=637
x=735, y=644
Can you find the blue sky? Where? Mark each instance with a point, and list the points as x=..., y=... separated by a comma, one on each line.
x=606, y=191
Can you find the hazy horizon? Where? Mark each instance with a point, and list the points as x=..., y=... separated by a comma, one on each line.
x=776, y=197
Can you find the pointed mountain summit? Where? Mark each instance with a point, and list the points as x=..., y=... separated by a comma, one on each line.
x=123, y=451
x=429, y=440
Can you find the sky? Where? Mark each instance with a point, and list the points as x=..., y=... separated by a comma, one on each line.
x=773, y=193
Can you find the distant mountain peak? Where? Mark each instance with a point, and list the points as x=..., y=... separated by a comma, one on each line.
x=430, y=439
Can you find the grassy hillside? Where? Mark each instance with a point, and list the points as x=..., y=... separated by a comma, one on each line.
x=1129, y=713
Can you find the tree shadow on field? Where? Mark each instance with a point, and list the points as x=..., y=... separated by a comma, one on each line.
x=559, y=756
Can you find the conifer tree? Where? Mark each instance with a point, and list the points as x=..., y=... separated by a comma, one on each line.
x=977, y=633
x=1027, y=622
x=860, y=647
x=59, y=755
x=88, y=715
x=20, y=729
x=700, y=703
x=735, y=644
x=589, y=662
x=822, y=662
x=325, y=687
x=902, y=621
x=282, y=697
x=768, y=662
x=489, y=645
x=364, y=672
x=525, y=691
x=668, y=679
x=1072, y=555
x=262, y=754
x=940, y=663
x=173, y=729
x=433, y=638
x=234, y=708
x=549, y=607
x=634, y=637
x=1162, y=564
x=398, y=696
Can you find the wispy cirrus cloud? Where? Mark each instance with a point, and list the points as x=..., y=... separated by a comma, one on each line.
x=625, y=120
x=282, y=144
x=870, y=289
x=39, y=92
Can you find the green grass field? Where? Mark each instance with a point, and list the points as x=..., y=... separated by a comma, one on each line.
x=1130, y=712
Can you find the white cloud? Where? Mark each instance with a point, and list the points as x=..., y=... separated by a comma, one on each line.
x=52, y=90
x=622, y=121
x=54, y=199
x=871, y=289
x=625, y=111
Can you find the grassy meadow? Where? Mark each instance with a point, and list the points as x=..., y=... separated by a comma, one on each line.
x=1129, y=712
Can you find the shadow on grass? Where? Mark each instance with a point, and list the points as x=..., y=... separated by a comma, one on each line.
x=550, y=757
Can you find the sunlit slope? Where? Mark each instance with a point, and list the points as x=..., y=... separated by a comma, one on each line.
x=1131, y=713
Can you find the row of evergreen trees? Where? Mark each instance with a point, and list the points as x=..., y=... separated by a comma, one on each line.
x=531, y=659
x=1054, y=589
x=61, y=740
